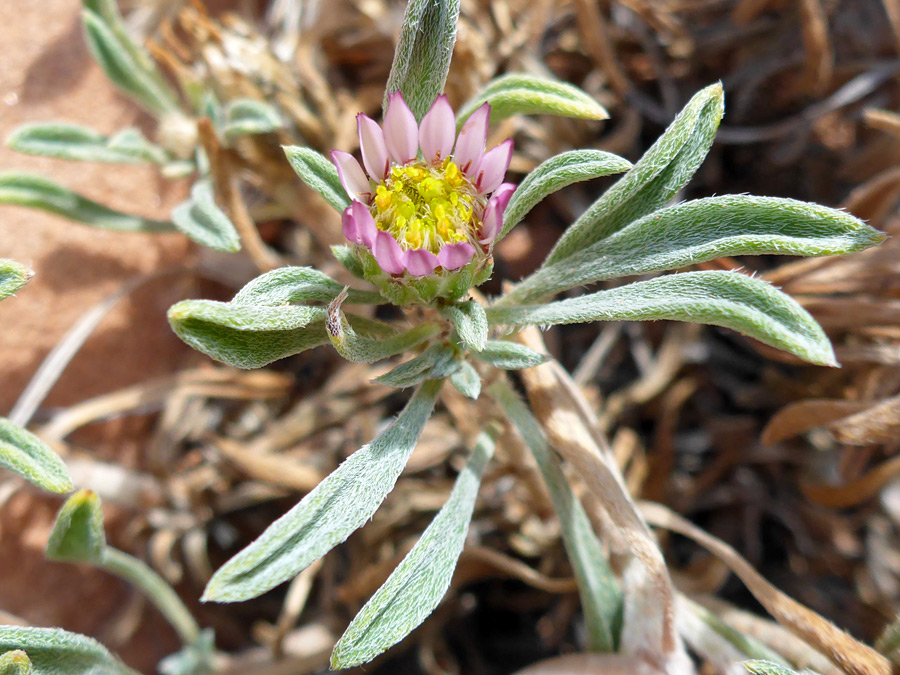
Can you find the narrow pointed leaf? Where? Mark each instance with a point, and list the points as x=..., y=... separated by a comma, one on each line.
x=469, y=320
x=201, y=219
x=601, y=598
x=116, y=56
x=663, y=170
x=416, y=586
x=13, y=276
x=71, y=141
x=509, y=355
x=767, y=668
x=15, y=662
x=728, y=299
x=467, y=381
x=22, y=189
x=298, y=284
x=28, y=456
x=53, y=651
x=319, y=174
x=78, y=534
x=556, y=173
x=360, y=349
x=521, y=94
x=435, y=362
x=328, y=515
x=700, y=230
x=247, y=116
x=422, y=57
x=247, y=336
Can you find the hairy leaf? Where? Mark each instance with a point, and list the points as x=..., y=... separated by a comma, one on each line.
x=767, y=668
x=247, y=116
x=555, y=174
x=435, y=362
x=78, y=534
x=54, y=651
x=116, y=55
x=663, y=170
x=13, y=276
x=36, y=192
x=360, y=349
x=71, y=141
x=466, y=380
x=201, y=219
x=28, y=456
x=522, y=94
x=319, y=173
x=345, y=255
x=247, y=336
x=298, y=284
x=728, y=299
x=324, y=518
x=470, y=323
x=601, y=598
x=422, y=57
x=509, y=355
x=700, y=230
x=416, y=586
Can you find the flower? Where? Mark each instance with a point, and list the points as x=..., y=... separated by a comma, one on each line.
x=428, y=215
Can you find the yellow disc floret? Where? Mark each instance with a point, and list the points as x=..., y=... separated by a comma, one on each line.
x=428, y=207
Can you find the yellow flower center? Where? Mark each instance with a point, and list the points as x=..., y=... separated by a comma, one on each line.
x=428, y=207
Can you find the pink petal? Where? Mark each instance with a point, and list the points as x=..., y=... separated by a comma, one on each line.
x=420, y=262
x=388, y=253
x=351, y=174
x=454, y=256
x=351, y=231
x=493, y=167
x=365, y=224
x=492, y=221
x=401, y=133
x=374, y=151
x=437, y=131
x=472, y=139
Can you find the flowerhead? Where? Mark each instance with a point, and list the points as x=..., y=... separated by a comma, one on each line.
x=421, y=215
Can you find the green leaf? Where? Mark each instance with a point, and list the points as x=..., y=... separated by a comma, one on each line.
x=556, y=173
x=28, y=456
x=71, y=141
x=435, y=362
x=324, y=518
x=345, y=255
x=422, y=58
x=469, y=320
x=767, y=668
x=360, y=349
x=247, y=336
x=15, y=663
x=13, y=276
x=298, y=284
x=201, y=219
x=22, y=189
x=466, y=380
x=193, y=659
x=728, y=299
x=522, y=94
x=247, y=116
x=601, y=598
x=704, y=229
x=319, y=173
x=115, y=53
x=509, y=355
x=78, y=534
x=54, y=651
x=416, y=586
x=663, y=170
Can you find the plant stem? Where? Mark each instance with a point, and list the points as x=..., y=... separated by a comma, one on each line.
x=160, y=593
